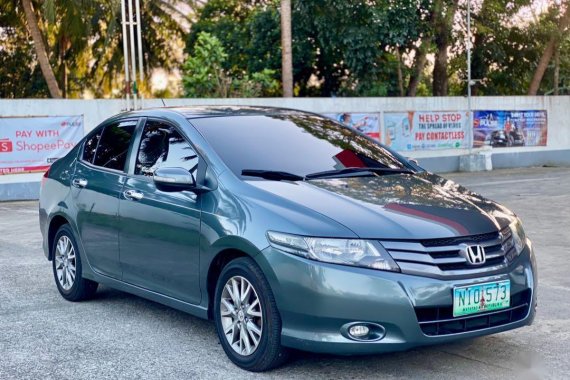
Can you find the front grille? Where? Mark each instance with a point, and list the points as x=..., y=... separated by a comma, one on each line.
x=458, y=240
x=440, y=321
x=444, y=258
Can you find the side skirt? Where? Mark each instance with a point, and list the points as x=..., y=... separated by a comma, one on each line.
x=196, y=310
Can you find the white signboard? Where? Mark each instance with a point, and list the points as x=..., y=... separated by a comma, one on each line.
x=31, y=144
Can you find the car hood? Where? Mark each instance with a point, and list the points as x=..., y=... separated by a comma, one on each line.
x=401, y=206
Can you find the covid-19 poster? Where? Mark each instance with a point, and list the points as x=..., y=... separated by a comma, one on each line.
x=426, y=130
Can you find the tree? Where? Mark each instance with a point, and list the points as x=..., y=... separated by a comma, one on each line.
x=356, y=42
x=286, y=38
x=162, y=37
x=68, y=26
x=498, y=48
x=250, y=34
x=40, y=48
x=204, y=74
x=563, y=24
x=444, y=11
x=339, y=47
x=78, y=42
x=420, y=60
x=21, y=76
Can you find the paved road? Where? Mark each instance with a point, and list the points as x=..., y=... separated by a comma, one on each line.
x=118, y=335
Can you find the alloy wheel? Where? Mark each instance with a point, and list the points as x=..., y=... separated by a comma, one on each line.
x=241, y=315
x=65, y=263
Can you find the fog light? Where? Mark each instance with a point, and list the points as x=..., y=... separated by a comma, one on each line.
x=363, y=331
x=358, y=331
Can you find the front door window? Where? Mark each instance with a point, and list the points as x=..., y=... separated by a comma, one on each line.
x=163, y=146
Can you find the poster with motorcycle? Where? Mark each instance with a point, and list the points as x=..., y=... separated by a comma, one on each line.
x=509, y=128
x=426, y=130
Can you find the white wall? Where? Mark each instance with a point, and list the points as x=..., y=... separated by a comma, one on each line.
x=95, y=111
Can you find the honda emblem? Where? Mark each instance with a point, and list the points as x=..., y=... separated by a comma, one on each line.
x=475, y=254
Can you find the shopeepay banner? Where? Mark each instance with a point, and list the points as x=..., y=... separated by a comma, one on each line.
x=426, y=130
x=31, y=144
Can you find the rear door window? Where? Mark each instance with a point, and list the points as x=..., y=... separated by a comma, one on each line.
x=114, y=145
x=90, y=146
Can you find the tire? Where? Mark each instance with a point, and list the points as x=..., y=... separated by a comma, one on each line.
x=66, y=260
x=268, y=353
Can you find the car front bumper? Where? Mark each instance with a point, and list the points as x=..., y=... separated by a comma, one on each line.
x=316, y=300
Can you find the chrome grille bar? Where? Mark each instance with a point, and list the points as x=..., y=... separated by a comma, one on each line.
x=441, y=261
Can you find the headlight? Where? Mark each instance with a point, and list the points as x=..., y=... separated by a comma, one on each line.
x=355, y=252
x=518, y=236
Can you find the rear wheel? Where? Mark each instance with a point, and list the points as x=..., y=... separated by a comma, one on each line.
x=66, y=265
x=246, y=317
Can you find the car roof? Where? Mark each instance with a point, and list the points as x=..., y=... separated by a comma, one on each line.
x=195, y=112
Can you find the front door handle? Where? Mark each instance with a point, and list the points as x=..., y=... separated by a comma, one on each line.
x=79, y=182
x=133, y=195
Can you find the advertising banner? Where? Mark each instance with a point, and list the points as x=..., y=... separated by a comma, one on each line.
x=509, y=128
x=426, y=130
x=31, y=144
x=364, y=122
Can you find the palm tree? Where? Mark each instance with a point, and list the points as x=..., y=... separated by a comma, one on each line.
x=85, y=39
x=286, y=50
x=69, y=27
x=40, y=49
x=162, y=40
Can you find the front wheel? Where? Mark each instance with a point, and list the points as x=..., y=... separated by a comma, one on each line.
x=66, y=265
x=246, y=317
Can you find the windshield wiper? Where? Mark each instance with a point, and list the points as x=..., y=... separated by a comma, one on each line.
x=276, y=175
x=349, y=171
x=273, y=175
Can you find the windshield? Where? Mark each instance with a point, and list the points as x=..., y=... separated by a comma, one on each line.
x=295, y=143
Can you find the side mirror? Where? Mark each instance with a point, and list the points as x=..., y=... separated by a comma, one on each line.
x=173, y=179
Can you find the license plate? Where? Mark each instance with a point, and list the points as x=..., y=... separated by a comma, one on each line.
x=481, y=297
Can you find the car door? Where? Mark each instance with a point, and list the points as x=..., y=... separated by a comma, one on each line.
x=160, y=231
x=96, y=187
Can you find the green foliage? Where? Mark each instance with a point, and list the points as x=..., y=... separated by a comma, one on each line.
x=340, y=44
x=340, y=47
x=205, y=74
x=505, y=54
x=162, y=37
x=501, y=49
x=258, y=84
x=84, y=41
x=21, y=77
x=249, y=30
x=352, y=39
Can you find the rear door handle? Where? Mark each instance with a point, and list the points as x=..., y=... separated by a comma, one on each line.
x=133, y=195
x=79, y=182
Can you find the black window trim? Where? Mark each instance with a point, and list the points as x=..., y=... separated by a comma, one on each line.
x=101, y=128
